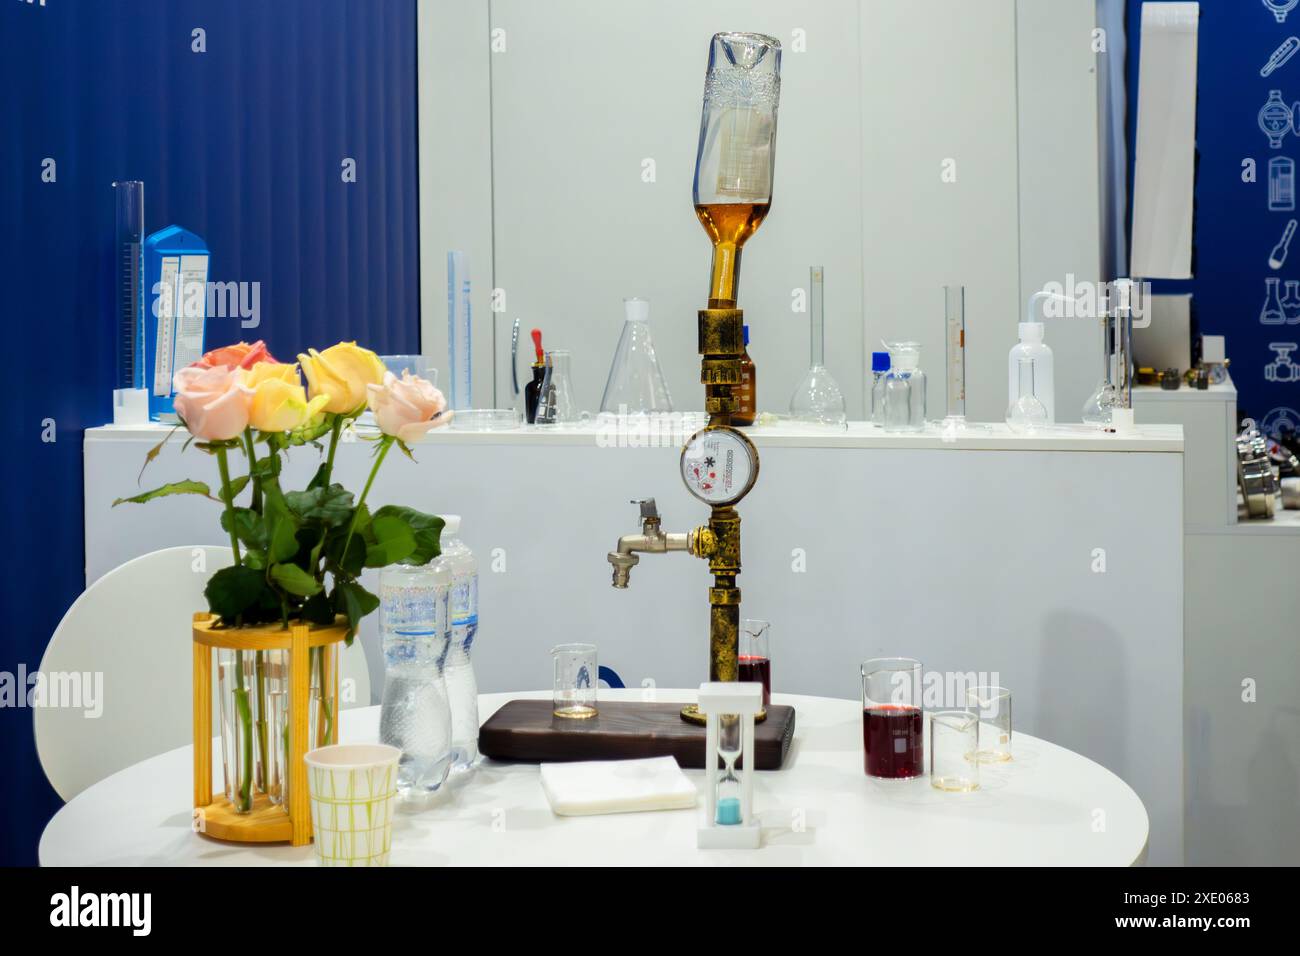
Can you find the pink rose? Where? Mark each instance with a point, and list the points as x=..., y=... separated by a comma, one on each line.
x=239, y=355
x=407, y=407
x=212, y=401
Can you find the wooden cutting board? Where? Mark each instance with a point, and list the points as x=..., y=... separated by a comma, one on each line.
x=526, y=730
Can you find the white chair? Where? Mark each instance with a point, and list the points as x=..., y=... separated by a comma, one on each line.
x=133, y=627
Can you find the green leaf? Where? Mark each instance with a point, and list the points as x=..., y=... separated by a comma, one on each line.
x=237, y=484
x=356, y=556
x=248, y=527
x=332, y=505
x=284, y=539
x=427, y=529
x=186, y=487
x=318, y=479
x=354, y=602
x=393, y=541
x=294, y=579
x=232, y=591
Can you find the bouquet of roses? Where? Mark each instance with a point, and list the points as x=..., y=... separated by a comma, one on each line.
x=299, y=553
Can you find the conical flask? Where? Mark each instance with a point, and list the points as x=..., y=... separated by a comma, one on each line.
x=636, y=383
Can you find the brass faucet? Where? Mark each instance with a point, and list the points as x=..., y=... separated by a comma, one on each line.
x=653, y=540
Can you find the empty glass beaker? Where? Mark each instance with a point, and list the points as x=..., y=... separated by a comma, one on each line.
x=636, y=382
x=555, y=403
x=415, y=364
x=993, y=707
x=574, y=692
x=904, y=389
x=954, y=742
x=818, y=399
x=892, y=736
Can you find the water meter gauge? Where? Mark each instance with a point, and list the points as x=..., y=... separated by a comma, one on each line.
x=719, y=465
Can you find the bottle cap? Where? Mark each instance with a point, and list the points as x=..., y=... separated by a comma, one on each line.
x=638, y=310
x=1031, y=331
x=745, y=330
x=451, y=524
x=880, y=361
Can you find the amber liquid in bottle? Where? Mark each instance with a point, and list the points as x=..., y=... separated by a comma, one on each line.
x=747, y=391
x=729, y=224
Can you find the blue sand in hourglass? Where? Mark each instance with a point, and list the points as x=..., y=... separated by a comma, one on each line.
x=729, y=811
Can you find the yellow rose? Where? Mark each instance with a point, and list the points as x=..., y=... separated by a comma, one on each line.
x=341, y=374
x=279, y=402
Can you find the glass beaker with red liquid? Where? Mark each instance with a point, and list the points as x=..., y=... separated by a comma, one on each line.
x=892, y=723
x=755, y=658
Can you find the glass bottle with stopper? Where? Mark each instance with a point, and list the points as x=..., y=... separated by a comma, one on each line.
x=734, y=160
x=729, y=821
x=818, y=399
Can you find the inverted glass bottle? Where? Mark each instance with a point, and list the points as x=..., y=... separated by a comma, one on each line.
x=737, y=150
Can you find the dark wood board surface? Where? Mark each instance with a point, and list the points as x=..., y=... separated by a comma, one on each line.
x=526, y=730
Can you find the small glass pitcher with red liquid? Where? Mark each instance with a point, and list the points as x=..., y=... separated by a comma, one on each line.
x=892, y=723
x=755, y=658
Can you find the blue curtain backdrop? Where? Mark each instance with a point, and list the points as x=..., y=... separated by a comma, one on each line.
x=243, y=144
x=1234, y=230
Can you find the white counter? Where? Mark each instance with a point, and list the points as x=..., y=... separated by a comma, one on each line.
x=1053, y=561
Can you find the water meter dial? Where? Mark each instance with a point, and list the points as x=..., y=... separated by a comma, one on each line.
x=719, y=465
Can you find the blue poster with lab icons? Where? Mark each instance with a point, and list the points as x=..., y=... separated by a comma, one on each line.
x=1246, y=254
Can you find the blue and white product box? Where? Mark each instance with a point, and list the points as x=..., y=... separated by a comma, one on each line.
x=176, y=279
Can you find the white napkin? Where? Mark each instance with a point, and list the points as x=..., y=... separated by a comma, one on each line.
x=616, y=786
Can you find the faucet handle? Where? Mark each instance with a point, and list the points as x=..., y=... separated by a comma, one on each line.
x=648, y=508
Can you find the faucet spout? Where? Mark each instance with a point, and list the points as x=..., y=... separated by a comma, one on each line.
x=654, y=540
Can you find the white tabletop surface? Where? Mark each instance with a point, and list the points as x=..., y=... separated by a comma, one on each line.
x=1048, y=806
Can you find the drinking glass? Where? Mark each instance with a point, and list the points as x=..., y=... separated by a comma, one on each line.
x=892, y=738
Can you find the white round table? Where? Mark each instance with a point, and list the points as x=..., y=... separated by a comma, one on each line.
x=1047, y=806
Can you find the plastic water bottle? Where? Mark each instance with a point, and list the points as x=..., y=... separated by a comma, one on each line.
x=461, y=683
x=415, y=628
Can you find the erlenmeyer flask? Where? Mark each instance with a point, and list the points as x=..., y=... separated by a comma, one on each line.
x=1027, y=413
x=1271, y=313
x=636, y=383
x=818, y=399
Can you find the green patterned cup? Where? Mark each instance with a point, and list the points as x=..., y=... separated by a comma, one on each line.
x=353, y=791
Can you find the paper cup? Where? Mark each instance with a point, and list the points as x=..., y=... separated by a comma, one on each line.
x=353, y=790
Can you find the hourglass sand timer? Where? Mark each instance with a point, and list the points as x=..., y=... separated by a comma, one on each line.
x=729, y=822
